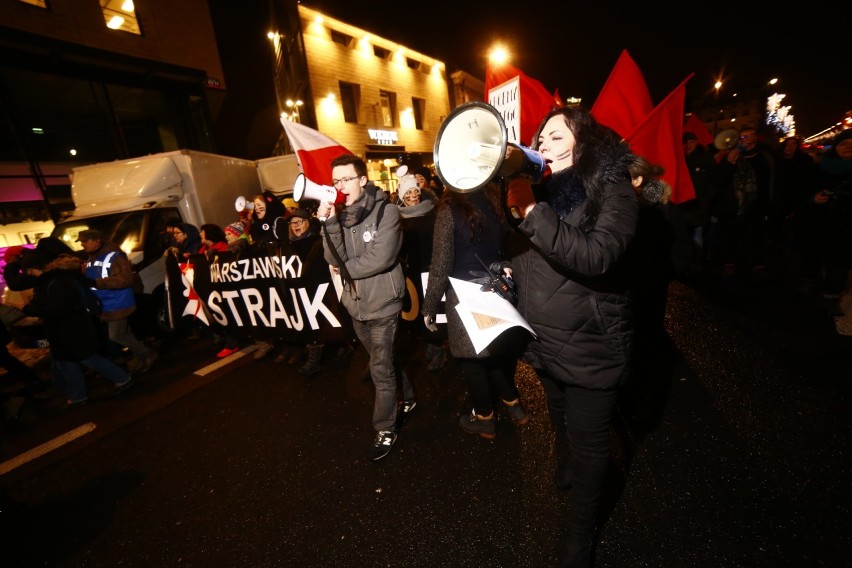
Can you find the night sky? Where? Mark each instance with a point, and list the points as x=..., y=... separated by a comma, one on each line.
x=573, y=46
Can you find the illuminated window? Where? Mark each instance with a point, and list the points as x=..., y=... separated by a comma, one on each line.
x=350, y=99
x=419, y=108
x=120, y=15
x=39, y=3
x=388, y=104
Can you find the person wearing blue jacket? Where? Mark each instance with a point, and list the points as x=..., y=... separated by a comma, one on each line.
x=112, y=274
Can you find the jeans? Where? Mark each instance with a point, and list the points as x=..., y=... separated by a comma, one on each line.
x=68, y=375
x=378, y=337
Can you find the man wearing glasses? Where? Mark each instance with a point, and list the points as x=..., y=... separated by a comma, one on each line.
x=363, y=241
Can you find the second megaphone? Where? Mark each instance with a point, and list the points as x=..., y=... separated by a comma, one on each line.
x=303, y=188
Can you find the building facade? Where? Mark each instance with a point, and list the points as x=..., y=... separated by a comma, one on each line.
x=379, y=99
x=86, y=82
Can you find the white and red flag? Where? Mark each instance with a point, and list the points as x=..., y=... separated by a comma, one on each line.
x=314, y=151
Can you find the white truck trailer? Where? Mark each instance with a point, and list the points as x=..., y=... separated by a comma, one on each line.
x=129, y=201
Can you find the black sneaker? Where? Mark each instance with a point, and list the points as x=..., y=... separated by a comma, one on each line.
x=403, y=410
x=381, y=445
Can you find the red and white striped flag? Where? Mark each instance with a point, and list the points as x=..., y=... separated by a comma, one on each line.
x=314, y=151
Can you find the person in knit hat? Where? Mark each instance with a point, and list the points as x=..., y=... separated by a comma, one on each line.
x=236, y=230
x=418, y=226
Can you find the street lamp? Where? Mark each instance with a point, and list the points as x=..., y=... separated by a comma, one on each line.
x=717, y=85
x=498, y=54
x=294, y=105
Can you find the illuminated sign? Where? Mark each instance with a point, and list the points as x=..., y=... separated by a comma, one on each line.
x=383, y=136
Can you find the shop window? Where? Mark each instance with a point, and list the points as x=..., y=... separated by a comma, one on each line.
x=350, y=100
x=387, y=101
x=120, y=15
x=419, y=108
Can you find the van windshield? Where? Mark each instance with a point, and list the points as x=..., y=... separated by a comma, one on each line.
x=123, y=229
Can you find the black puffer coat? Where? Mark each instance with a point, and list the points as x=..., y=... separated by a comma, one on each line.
x=573, y=285
x=58, y=301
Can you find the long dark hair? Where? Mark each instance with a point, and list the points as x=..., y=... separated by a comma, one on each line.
x=600, y=157
x=471, y=214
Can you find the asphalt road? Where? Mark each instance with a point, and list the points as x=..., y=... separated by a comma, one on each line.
x=747, y=463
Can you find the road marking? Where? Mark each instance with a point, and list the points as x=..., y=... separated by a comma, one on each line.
x=53, y=444
x=222, y=362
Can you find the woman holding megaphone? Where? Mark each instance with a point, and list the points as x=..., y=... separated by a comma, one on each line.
x=573, y=292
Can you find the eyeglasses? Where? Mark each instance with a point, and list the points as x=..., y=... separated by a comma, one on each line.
x=341, y=181
x=298, y=222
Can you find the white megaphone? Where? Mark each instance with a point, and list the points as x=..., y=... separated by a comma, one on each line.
x=303, y=188
x=241, y=204
x=472, y=148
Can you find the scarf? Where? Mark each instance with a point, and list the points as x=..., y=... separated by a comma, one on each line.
x=416, y=210
x=353, y=214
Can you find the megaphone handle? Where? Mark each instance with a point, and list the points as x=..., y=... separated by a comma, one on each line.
x=330, y=212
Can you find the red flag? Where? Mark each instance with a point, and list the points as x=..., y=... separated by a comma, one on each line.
x=624, y=100
x=534, y=100
x=658, y=139
x=694, y=125
x=314, y=150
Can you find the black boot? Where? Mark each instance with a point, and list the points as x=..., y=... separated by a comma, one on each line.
x=312, y=363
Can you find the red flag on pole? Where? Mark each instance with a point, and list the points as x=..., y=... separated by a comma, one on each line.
x=624, y=100
x=694, y=125
x=658, y=139
x=314, y=151
x=520, y=99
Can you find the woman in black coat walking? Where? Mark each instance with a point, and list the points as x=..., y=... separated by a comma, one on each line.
x=573, y=290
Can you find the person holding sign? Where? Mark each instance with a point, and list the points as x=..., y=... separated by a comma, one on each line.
x=573, y=291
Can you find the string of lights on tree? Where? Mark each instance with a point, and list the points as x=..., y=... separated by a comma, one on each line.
x=779, y=117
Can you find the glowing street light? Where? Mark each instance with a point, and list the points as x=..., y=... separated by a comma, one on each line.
x=717, y=85
x=291, y=104
x=498, y=54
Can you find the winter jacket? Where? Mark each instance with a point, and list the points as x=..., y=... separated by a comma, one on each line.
x=58, y=301
x=572, y=289
x=113, y=276
x=454, y=254
x=370, y=252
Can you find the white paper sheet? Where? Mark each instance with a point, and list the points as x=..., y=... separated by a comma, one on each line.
x=485, y=315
